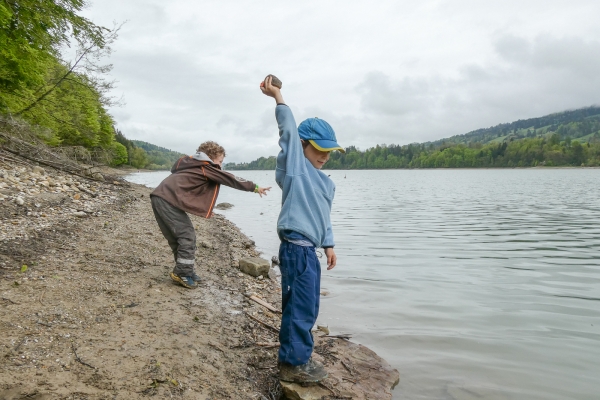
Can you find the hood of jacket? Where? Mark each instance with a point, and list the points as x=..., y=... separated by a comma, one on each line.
x=194, y=161
x=200, y=156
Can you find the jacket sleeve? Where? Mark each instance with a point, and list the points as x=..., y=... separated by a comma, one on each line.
x=328, y=242
x=227, y=179
x=291, y=160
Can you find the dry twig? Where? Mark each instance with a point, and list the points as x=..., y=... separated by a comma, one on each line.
x=263, y=323
x=79, y=360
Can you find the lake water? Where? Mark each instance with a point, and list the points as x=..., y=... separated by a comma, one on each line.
x=474, y=284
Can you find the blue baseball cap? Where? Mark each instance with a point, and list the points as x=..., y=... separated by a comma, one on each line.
x=320, y=134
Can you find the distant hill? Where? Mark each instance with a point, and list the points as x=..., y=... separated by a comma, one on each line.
x=568, y=138
x=158, y=157
x=577, y=124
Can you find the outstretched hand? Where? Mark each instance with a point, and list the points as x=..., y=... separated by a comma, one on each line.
x=262, y=190
x=270, y=90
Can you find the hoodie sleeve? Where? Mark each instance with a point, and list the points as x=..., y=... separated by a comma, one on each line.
x=227, y=179
x=328, y=242
x=291, y=160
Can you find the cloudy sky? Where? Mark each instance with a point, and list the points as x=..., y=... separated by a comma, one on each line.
x=379, y=71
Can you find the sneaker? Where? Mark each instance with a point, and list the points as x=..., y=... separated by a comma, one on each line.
x=195, y=277
x=185, y=281
x=312, y=371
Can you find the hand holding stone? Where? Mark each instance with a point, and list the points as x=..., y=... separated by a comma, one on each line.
x=274, y=81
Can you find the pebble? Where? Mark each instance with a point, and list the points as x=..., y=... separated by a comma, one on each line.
x=21, y=186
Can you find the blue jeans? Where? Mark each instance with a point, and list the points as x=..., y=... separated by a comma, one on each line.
x=300, y=290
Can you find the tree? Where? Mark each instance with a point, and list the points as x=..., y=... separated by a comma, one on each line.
x=138, y=158
x=119, y=153
x=31, y=35
x=69, y=98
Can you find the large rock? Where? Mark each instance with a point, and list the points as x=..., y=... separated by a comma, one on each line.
x=355, y=372
x=255, y=266
x=98, y=176
x=294, y=391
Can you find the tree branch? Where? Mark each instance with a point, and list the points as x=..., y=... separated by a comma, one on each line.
x=29, y=107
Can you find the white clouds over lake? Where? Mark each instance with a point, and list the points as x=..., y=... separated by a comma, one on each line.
x=379, y=72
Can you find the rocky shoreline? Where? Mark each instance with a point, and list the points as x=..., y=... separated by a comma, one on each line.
x=87, y=310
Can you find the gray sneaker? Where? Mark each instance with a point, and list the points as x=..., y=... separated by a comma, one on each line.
x=312, y=371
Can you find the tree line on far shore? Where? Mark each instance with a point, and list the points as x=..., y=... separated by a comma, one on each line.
x=567, y=143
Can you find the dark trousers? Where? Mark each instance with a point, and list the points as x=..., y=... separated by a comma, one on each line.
x=177, y=228
x=300, y=290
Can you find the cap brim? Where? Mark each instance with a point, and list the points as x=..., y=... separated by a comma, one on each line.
x=326, y=145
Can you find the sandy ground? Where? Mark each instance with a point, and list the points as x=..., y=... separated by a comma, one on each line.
x=96, y=316
x=88, y=311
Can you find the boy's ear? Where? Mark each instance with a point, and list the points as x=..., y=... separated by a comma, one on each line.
x=304, y=143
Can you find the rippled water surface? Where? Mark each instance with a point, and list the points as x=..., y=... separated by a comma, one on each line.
x=474, y=284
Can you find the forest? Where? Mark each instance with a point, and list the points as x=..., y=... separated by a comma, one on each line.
x=53, y=77
x=570, y=138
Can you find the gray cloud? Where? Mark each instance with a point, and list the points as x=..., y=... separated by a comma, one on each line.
x=384, y=72
x=528, y=78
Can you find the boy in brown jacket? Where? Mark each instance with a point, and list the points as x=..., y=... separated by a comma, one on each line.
x=193, y=187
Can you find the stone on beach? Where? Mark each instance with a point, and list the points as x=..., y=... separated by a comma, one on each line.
x=224, y=206
x=255, y=266
x=293, y=391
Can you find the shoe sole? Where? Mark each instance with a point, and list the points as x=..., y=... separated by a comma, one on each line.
x=181, y=282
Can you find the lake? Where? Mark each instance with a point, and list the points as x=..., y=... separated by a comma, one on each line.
x=474, y=284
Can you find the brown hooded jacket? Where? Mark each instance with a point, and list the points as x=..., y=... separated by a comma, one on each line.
x=193, y=185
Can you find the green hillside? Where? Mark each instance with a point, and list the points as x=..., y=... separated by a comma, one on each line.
x=569, y=138
x=158, y=157
x=574, y=124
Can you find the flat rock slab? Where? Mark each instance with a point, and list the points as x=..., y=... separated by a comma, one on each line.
x=255, y=266
x=355, y=372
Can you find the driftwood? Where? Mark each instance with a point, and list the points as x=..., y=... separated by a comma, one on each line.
x=263, y=323
x=267, y=344
x=264, y=304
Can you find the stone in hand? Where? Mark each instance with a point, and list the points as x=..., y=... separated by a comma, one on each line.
x=274, y=81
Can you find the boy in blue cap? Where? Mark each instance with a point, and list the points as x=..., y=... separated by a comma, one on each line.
x=304, y=224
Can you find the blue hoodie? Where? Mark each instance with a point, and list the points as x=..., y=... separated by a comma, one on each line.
x=307, y=192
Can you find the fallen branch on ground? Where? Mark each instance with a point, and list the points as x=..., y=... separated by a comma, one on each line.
x=263, y=323
x=267, y=344
x=264, y=304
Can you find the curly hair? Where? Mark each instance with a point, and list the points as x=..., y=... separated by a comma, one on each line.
x=212, y=149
